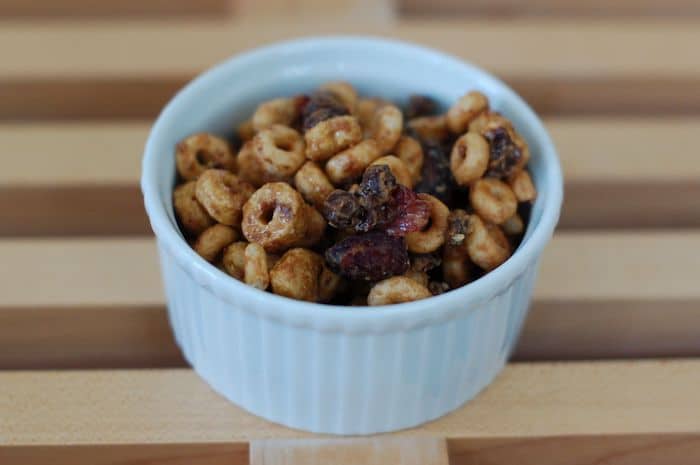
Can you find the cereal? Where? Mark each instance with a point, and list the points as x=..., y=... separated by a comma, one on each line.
x=494, y=200
x=337, y=198
x=397, y=290
x=202, y=151
x=222, y=194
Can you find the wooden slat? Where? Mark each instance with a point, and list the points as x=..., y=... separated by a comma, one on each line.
x=561, y=67
x=608, y=412
x=67, y=176
x=100, y=302
x=112, y=9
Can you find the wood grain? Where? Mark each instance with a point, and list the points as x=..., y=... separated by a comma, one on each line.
x=110, y=9
x=99, y=303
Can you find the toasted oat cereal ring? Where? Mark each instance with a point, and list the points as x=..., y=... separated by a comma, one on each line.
x=296, y=275
x=455, y=265
x=524, y=150
x=487, y=245
x=386, y=127
x=489, y=120
x=313, y=184
x=280, y=152
x=410, y=152
x=246, y=131
x=430, y=128
x=433, y=237
x=397, y=167
x=233, y=259
x=212, y=241
x=522, y=186
x=255, y=272
x=421, y=277
x=192, y=216
x=465, y=110
x=275, y=217
x=276, y=111
x=202, y=151
x=329, y=284
x=514, y=225
x=349, y=164
x=250, y=168
x=315, y=228
x=222, y=194
x=365, y=111
x=396, y=290
x=344, y=91
x=493, y=199
x=469, y=158
x=331, y=136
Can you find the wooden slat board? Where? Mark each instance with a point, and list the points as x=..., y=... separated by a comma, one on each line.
x=58, y=9
x=100, y=302
x=541, y=413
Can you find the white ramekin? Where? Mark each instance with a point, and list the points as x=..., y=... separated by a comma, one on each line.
x=335, y=369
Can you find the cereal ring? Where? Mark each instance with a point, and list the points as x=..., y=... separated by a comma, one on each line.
x=246, y=131
x=386, y=127
x=430, y=128
x=250, y=167
x=465, y=110
x=276, y=111
x=233, y=259
x=524, y=148
x=421, y=277
x=397, y=167
x=455, y=265
x=274, y=217
x=522, y=186
x=192, y=216
x=280, y=152
x=330, y=136
x=296, y=275
x=493, y=199
x=410, y=152
x=344, y=91
x=487, y=246
x=315, y=227
x=200, y=152
x=514, y=225
x=222, y=195
x=365, y=110
x=489, y=120
x=329, y=284
x=432, y=238
x=313, y=184
x=255, y=272
x=396, y=290
x=212, y=241
x=469, y=158
x=349, y=164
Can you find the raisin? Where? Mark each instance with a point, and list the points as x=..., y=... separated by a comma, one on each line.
x=411, y=213
x=436, y=176
x=370, y=257
x=504, y=155
x=420, y=105
x=457, y=227
x=438, y=287
x=322, y=105
x=377, y=186
x=342, y=210
x=425, y=262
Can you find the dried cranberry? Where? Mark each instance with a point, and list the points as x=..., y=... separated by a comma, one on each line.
x=420, y=105
x=342, y=210
x=504, y=156
x=370, y=257
x=436, y=177
x=322, y=105
x=411, y=213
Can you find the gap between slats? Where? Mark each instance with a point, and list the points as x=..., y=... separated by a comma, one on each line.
x=87, y=314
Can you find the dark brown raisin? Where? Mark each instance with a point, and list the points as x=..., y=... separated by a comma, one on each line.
x=322, y=105
x=420, y=105
x=504, y=155
x=425, y=262
x=370, y=257
x=457, y=227
x=342, y=210
x=436, y=176
x=411, y=213
x=378, y=184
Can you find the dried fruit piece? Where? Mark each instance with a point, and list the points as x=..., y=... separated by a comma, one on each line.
x=370, y=257
x=436, y=176
x=425, y=261
x=377, y=186
x=457, y=223
x=438, y=287
x=420, y=105
x=342, y=210
x=411, y=213
x=322, y=105
x=504, y=154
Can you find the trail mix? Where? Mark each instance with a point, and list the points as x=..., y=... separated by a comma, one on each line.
x=335, y=198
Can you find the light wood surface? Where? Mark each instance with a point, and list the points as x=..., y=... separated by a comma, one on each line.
x=54, y=9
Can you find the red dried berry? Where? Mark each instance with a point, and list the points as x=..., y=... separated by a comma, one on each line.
x=371, y=257
x=412, y=213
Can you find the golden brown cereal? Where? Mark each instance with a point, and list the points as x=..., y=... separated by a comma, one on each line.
x=315, y=228
x=421, y=277
x=274, y=217
x=522, y=186
x=396, y=290
x=250, y=167
x=212, y=241
x=469, y=158
x=255, y=272
x=430, y=128
x=329, y=284
x=432, y=238
x=202, y=151
x=514, y=225
x=345, y=92
x=410, y=152
x=493, y=199
x=296, y=275
x=222, y=194
x=246, y=131
x=398, y=169
x=386, y=127
x=455, y=265
x=331, y=136
x=193, y=217
x=465, y=110
x=489, y=120
x=365, y=110
x=313, y=183
x=487, y=246
x=233, y=259
x=276, y=111
x=524, y=150
x=280, y=152
x=349, y=164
